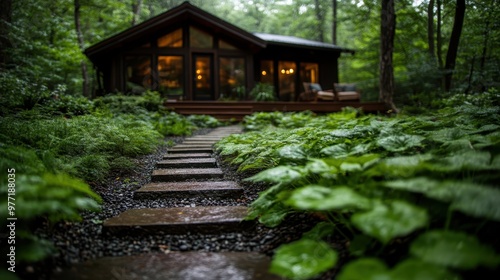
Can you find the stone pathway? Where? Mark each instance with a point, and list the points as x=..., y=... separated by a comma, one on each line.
x=188, y=169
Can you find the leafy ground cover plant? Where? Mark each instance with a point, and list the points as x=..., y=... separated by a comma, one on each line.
x=415, y=197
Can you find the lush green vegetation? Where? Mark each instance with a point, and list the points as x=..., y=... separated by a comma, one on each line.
x=417, y=194
x=58, y=146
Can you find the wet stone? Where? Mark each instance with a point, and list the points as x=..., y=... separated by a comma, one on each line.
x=179, y=220
x=179, y=146
x=188, y=189
x=187, y=155
x=187, y=163
x=174, y=266
x=174, y=150
x=169, y=175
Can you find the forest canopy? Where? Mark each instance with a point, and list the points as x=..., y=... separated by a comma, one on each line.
x=42, y=41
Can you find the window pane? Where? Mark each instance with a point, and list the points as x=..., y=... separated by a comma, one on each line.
x=287, y=80
x=232, y=78
x=171, y=40
x=226, y=46
x=138, y=73
x=171, y=75
x=200, y=39
x=267, y=72
x=309, y=72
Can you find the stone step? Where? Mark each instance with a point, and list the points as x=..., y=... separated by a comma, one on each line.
x=197, y=142
x=189, y=145
x=187, y=155
x=188, y=189
x=187, y=163
x=174, y=150
x=182, y=174
x=174, y=266
x=179, y=220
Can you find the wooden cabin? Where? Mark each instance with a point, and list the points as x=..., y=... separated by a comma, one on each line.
x=191, y=55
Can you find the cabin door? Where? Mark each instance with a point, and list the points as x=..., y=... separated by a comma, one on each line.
x=203, y=81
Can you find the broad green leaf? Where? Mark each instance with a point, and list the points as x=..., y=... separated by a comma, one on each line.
x=273, y=216
x=280, y=174
x=303, y=259
x=365, y=269
x=265, y=201
x=375, y=269
x=344, y=150
x=350, y=167
x=469, y=198
x=453, y=249
x=319, y=231
x=400, y=143
x=319, y=166
x=385, y=222
x=469, y=160
x=316, y=197
x=412, y=269
x=292, y=153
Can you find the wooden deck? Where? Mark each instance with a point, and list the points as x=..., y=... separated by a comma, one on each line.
x=227, y=110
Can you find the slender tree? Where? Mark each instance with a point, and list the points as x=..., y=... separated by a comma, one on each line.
x=5, y=21
x=439, y=38
x=430, y=27
x=81, y=44
x=320, y=17
x=334, y=22
x=136, y=11
x=387, y=32
x=451, y=55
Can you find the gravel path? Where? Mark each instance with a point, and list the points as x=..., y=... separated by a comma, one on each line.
x=78, y=242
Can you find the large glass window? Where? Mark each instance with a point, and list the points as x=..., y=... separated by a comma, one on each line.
x=200, y=39
x=226, y=46
x=171, y=40
x=171, y=75
x=267, y=72
x=138, y=73
x=232, y=78
x=287, y=71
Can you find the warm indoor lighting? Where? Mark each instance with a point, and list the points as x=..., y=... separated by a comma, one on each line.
x=283, y=71
x=291, y=71
x=198, y=71
x=264, y=73
x=287, y=72
x=199, y=77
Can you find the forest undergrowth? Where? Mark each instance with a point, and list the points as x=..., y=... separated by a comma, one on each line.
x=416, y=196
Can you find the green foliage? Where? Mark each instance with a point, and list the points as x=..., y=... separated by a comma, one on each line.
x=303, y=259
x=262, y=92
x=381, y=182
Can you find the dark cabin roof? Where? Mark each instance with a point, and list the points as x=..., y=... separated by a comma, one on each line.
x=298, y=42
x=187, y=11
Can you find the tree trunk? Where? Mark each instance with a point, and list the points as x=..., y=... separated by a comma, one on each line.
x=387, y=32
x=320, y=16
x=81, y=43
x=334, y=23
x=439, y=39
x=451, y=55
x=5, y=20
x=136, y=11
x=430, y=27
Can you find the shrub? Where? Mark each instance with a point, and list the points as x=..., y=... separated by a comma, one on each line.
x=263, y=92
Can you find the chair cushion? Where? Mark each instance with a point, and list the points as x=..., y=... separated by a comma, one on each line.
x=344, y=87
x=314, y=87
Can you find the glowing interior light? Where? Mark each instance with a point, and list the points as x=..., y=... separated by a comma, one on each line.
x=199, y=77
x=264, y=73
x=291, y=71
x=198, y=71
x=283, y=71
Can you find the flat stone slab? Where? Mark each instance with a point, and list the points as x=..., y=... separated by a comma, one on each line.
x=175, y=150
x=187, y=163
x=197, y=142
x=187, y=155
x=189, y=189
x=188, y=145
x=179, y=220
x=182, y=174
x=174, y=266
